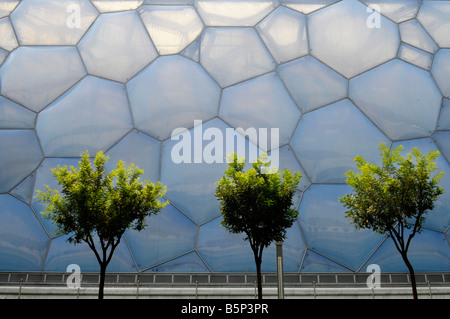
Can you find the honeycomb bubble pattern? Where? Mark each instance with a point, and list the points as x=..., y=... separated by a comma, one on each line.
x=335, y=77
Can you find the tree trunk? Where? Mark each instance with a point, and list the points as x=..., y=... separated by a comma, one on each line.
x=101, y=284
x=411, y=273
x=259, y=276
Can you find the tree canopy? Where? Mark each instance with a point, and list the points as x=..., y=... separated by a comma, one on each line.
x=257, y=202
x=94, y=203
x=394, y=198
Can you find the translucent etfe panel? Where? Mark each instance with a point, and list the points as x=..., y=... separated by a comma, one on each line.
x=192, y=51
x=168, y=234
x=13, y=115
x=435, y=18
x=307, y=6
x=398, y=10
x=401, y=99
x=116, y=5
x=117, y=46
x=294, y=249
x=44, y=176
x=234, y=12
x=341, y=36
x=329, y=232
x=3, y=55
x=7, y=6
x=261, y=103
x=441, y=69
x=284, y=32
x=316, y=263
x=444, y=117
x=35, y=76
x=139, y=149
x=25, y=189
x=62, y=254
x=232, y=55
x=23, y=241
x=193, y=161
x=189, y=263
x=442, y=139
x=414, y=34
x=20, y=155
x=328, y=139
x=223, y=251
x=311, y=83
x=288, y=161
x=92, y=116
x=439, y=217
x=227, y=252
x=171, y=28
x=8, y=40
x=415, y=56
x=172, y=92
x=429, y=251
x=52, y=22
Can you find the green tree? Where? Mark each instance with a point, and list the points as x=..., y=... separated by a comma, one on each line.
x=257, y=203
x=395, y=198
x=96, y=204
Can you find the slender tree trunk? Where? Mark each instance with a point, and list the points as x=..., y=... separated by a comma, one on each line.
x=101, y=284
x=259, y=276
x=257, y=253
x=411, y=272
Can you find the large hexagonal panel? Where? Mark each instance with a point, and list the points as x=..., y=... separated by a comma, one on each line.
x=172, y=28
x=117, y=46
x=20, y=155
x=172, y=92
x=398, y=10
x=13, y=115
x=168, y=235
x=194, y=160
x=284, y=33
x=327, y=140
x=233, y=55
x=327, y=231
x=401, y=99
x=52, y=22
x=23, y=241
x=35, y=76
x=435, y=17
x=261, y=103
x=363, y=46
x=91, y=116
x=139, y=149
x=311, y=83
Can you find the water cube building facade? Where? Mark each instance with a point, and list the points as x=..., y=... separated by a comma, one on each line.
x=336, y=78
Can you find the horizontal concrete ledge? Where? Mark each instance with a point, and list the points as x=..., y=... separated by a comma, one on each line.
x=42, y=292
x=239, y=280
